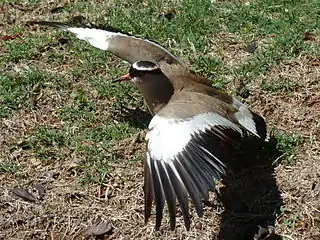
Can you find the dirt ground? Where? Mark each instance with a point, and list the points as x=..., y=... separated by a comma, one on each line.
x=248, y=198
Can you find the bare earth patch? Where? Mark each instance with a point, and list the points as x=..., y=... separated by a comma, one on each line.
x=297, y=111
x=69, y=208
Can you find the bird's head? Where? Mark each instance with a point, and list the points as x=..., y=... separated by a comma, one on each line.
x=140, y=72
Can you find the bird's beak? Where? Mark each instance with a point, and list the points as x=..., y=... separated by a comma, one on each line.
x=126, y=77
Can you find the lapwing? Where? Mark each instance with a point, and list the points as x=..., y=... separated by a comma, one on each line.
x=194, y=126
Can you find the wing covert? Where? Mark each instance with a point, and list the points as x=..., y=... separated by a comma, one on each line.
x=184, y=157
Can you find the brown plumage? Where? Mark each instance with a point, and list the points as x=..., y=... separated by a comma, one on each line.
x=194, y=129
x=209, y=123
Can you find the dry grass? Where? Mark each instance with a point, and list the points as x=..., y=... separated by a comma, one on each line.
x=69, y=208
x=297, y=111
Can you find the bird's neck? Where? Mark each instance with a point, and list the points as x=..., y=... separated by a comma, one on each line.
x=157, y=91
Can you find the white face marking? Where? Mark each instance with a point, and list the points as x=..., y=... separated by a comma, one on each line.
x=136, y=80
x=149, y=66
x=167, y=137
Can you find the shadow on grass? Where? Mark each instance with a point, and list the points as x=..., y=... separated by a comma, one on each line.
x=250, y=196
x=136, y=117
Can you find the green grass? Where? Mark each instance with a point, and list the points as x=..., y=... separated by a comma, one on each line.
x=281, y=84
x=18, y=90
x=8, y=167
x=59, y=110
x=28, y=47
x=48, y=144
x=292, y=221
x=81, y=74
x=287, y=144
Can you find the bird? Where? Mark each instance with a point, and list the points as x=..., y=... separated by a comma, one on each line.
x=194, y=128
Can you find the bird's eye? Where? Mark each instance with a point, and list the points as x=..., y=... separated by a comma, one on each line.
x=132, y=72
x=140, y=73
x=136, y=72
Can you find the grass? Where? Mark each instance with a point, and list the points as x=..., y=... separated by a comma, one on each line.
x=291, y=222
x=281, y=84
x=287, y=144
x=57, y=99
x=8, y=167
x=17, y=89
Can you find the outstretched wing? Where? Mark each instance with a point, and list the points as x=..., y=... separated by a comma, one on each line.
x=125, y=46
x=183, y=78
x=184, y=157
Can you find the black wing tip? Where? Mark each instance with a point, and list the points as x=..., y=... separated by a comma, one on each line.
x=173, y=224
x=77, y=23
x=187, y=225
x=158, y=221
x=147, y=215
x=148, y=193
x=200, y=211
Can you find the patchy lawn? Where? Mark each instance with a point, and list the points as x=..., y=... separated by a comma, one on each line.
x=63, y=125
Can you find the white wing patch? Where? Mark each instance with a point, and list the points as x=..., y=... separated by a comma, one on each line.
x=167, y=137
x=244, y=117
x=96, y=37
x=99, y=38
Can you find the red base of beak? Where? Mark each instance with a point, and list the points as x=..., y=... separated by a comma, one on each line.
x=125, y=77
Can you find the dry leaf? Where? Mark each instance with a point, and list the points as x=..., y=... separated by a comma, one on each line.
x=35, y=161
x=168, y=15
x=99, y=227
x=51, y=174
x=3, y=9
x=252, y=47
x=10, y=37
x=57, y=9
x=309, y=36
x=315, y=62
x=40, y=189
x=24, y=193
x=36, y=93
x=21, y=7
x=4, y=50
x=32, y=194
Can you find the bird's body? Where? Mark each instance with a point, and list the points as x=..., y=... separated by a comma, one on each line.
x=194, y=126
